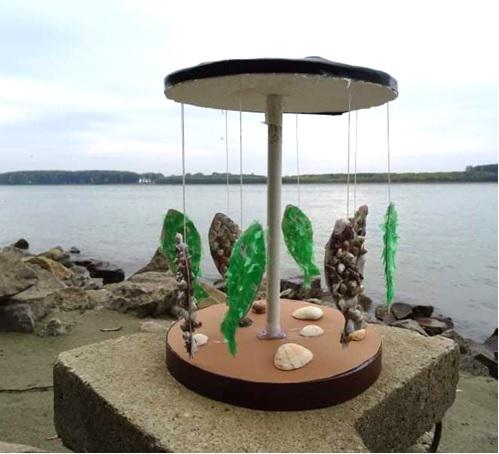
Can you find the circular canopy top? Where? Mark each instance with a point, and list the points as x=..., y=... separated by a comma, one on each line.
x=309, y=85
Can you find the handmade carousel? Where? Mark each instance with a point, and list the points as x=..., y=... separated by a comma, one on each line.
x=276, y=353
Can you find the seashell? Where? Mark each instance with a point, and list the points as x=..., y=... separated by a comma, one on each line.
x=259, y=307
x=340, y=268
x=200, y=339
x=357, y=335
x=308, y=313
x=311, y=331
x=292, y=356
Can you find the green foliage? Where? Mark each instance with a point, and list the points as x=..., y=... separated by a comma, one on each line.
x=299, y=239
x=243, y=277
x=390, y=239
x=173, y=224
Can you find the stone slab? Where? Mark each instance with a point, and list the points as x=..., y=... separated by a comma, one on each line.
x=118, y=396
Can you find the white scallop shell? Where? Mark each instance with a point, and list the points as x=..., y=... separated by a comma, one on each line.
x=308, y=313
x=200, y=339
x=357, y=335
x=292, y=356
x=311, y=331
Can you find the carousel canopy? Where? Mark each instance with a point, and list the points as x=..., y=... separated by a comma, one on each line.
x=310, y=85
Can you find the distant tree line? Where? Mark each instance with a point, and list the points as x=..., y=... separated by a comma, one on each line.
x=481, y=173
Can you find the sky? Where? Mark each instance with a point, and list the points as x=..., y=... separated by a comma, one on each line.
x=81, y=83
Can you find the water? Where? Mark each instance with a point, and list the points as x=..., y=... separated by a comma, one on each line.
x=447, y=250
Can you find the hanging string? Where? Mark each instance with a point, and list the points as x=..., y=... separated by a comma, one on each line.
x=227, y=159
x=355, y=162
x=241, y=157
x=183, y=170
x=388, y=150
x=297, y=161
x=348, y=148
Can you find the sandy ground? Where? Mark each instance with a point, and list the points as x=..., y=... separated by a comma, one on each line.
x=26, y=414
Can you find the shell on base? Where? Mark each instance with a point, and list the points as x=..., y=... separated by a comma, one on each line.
x=357, y=335
x=200, y=339
x=311, y=331
x=308, y=313
x=292, y=356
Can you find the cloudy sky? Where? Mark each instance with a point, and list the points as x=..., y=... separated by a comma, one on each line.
x=81, y=82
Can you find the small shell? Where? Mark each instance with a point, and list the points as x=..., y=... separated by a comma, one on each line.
x=340, y=268
x=292, y=356
x=200, y=339
x=357, y=335
x=308, y=313
x=311, y=331
x=259, y=307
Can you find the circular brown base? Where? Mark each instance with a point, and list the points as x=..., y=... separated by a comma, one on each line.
x=249, y=379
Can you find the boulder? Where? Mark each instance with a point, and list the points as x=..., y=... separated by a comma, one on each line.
x=15, y=276
x=21, y=244
x=57, y=254
x=37, y=296
x=99, y=268
x=216, y=296
x=409, y=324
x=155, y=326
x=491, y=343
x=149, y=294
x=14, y=447
x=157, y=263
x=421, y=310
x=55, y=327
x=16, y=317
x=74, y=250
x=294, y=288
x=56, y=268
x=401, y=310
x=432, y=326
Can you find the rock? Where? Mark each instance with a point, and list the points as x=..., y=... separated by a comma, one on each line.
x=259, y=307
x=245, y=322
x=56, y=268
x=357, y=335
x=149, y=294
x=37, y=296
x=409, y=324
x=294, y=288
x=422, y=311
x=447, y=320
x=491, y=343
x=311, y=331
x=432, y=326
x=107, y=271
x=16, y=317
x=15, y=276
x=200, y=339
x=380, y=312
x=157, y=263
x=292, y=356
x=222, y=235
x=308, y=313
x=401, y=310
x=55, y=327
x=56, y=253
x=155, y=326
x=21, y=244
x=74, y=250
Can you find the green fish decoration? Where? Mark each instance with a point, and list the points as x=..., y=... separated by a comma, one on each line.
x=298, y=236
x=173, y=224
x=243, y=277
x=390, y=239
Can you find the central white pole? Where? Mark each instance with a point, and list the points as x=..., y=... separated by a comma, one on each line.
x=273, y=118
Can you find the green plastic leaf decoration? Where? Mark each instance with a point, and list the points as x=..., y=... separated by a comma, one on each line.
x=299, y=239
x=390, y=239
x=173, y=224
x=243, y=277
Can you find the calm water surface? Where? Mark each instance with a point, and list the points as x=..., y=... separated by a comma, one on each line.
x=447, y=249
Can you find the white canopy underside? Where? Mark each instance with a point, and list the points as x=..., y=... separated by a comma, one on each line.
x=301, y=93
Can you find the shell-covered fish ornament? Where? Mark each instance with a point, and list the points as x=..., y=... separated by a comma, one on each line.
x=390, y=239
x=185, y=294
x=343, y=268
x=299, y=238
x=173, y=224
x=243, y=277
x=222, y=235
